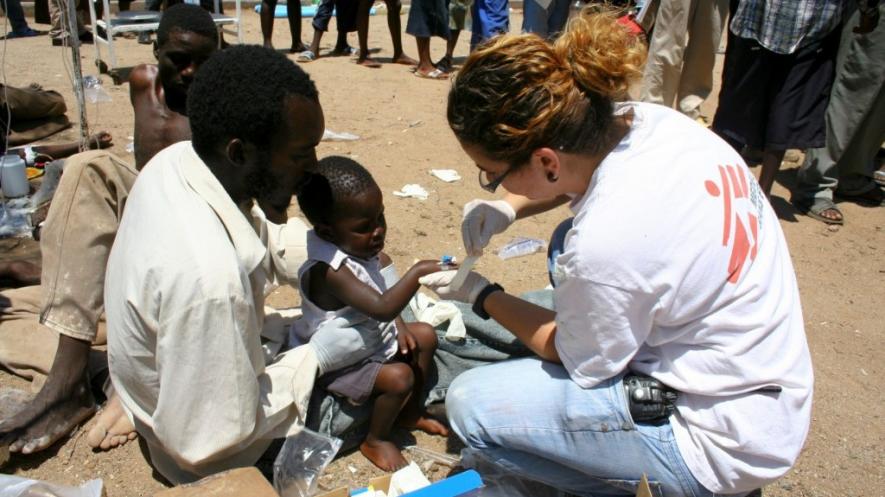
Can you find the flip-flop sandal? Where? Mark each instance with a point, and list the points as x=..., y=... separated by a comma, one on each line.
x=434, y=74
x=817, y=207
x=344, y=52
x=306, y=56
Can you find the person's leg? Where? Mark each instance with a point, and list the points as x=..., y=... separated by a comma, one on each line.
x=393, y=387
x=76, y=241
x=345, y=22
x=543, y=426
x=771, y=164
x=858, y=101
x=414, y=414
x=16, y=15
x=16, y=274
x=534, y=18
x=362, y=27
x=705, y=33
x=320, y=25
x=293, y=11
x=666, y=49
x=394, y=24
x=268, y=7
x=558, y=13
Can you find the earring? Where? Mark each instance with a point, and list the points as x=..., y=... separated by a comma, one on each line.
x=552, y=178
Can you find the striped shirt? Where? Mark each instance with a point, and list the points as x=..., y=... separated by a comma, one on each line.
x=783, y=26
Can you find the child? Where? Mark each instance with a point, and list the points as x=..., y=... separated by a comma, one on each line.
x=343, y=276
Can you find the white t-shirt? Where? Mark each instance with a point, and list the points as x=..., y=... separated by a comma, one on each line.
x=676, y=267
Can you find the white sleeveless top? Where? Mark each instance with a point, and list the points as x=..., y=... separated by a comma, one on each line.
x=367, y=271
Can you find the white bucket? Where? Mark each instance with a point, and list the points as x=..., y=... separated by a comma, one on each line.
x=13, y=176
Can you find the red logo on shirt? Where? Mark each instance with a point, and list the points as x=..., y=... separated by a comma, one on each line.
x=740, y=226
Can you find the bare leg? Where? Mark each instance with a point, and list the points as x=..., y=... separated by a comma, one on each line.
x=293, y=11
x=315, y=43
x=425, y=65
x=393, y=385
x=394, y=7
x=112, y=427
x=362, y=29
x=445, y=63
x=63, y=403
x=20, y=273
x=414, y=415
x=267, y=11
x=771, y=163
x=341, y=46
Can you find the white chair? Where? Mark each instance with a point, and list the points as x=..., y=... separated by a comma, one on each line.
x=138, y=21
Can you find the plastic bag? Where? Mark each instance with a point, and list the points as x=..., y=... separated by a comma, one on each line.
x=332, y=136
x=521, y=246
x=93, y=91
x=16, y=486
x=15, y=218
x=498, y=481
x=301, y=461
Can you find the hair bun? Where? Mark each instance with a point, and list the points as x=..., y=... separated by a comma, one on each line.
x=602, y=54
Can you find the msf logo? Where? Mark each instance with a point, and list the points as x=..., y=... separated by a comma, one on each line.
x=741, y=201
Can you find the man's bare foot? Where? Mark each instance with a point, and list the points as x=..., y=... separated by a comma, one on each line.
x=405, y=60
x=112, y=427
x=268, y=44
x=368, y=62
x=52, y=415
x=100, y=140
x=383, y=454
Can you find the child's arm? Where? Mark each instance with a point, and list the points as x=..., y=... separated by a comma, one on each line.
x=345, y=287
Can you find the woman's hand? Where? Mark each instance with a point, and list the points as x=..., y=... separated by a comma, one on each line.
x=441, y=283
x=482, y=220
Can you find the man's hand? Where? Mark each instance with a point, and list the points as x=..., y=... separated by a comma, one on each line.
x=64, y=402
x=441, y=283
x=482, y=220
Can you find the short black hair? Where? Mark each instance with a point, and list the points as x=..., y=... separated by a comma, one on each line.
x=241, y=93
x=186, y=17
x=334, y=179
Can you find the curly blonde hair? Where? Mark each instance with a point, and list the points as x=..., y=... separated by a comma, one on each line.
x=518, y=93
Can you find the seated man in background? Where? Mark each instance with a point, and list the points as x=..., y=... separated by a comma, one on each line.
x=50, y=329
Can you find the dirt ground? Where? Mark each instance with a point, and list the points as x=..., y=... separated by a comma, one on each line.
x=403, y=134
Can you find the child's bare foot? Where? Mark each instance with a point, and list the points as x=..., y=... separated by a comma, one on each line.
x=368, y=62
x=112, y=427
x=383, y=454
x=405, y=60
x=428, y=425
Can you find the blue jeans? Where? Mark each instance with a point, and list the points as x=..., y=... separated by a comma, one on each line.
x=546, y=23
x=529, y=417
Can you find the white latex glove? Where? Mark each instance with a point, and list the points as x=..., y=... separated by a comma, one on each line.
x=441, y=281
x=339, y=344
x=482, y=220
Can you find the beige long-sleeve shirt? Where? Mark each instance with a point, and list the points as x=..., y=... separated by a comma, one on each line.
x=191, y=353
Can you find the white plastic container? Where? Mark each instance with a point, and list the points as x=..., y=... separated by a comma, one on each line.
x=13, y=176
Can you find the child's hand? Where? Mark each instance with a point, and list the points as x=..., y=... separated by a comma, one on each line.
x=423, y=268
x=406, y=342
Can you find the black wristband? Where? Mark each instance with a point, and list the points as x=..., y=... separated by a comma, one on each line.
x=479, y=303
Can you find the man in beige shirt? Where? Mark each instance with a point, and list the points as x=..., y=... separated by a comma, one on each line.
x=190, y=352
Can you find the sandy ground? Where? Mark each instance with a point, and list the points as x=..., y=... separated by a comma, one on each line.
x=403, y=134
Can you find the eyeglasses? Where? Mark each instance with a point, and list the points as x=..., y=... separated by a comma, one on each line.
x=495, y=183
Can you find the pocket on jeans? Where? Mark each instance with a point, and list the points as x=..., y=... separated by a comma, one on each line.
x=632, y=486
